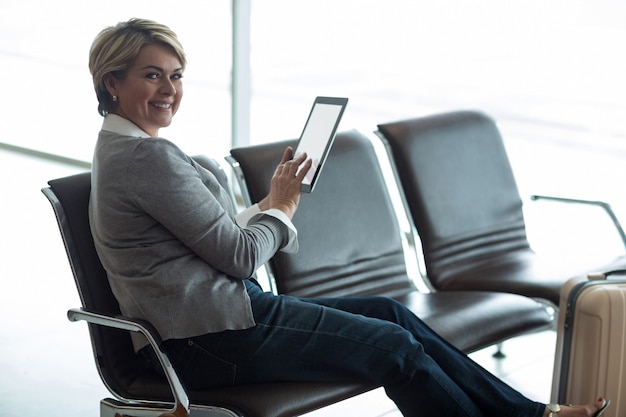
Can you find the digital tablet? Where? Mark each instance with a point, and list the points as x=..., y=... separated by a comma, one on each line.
x=318, y=135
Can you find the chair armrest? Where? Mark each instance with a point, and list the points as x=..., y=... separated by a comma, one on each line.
x=605, y=206
x=240, y=180
x=181, y=400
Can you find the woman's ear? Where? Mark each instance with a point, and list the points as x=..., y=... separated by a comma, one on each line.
x=110, y=82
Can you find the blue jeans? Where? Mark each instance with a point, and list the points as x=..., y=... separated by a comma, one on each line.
x=373, y=339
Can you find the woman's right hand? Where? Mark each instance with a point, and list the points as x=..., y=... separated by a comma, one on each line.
x=286, y=183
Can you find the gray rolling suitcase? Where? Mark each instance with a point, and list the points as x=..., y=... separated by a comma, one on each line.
x=590, y=358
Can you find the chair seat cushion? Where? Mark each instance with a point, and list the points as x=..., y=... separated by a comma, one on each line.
x=519, y=272
x=276, y=399
x=471, y=320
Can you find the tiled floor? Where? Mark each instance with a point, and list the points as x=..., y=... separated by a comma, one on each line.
x=46, y=364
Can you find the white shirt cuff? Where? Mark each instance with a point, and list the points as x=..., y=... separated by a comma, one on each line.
x=246, y=216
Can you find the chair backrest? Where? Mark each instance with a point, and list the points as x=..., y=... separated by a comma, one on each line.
x=118, y=365
x=353, y=245
x=70, y=200
x=459, y=187
x=113, y=350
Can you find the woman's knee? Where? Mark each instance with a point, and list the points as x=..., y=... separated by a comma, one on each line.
x=391, y=310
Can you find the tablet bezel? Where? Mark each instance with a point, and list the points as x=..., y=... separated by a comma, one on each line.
x=337, y=101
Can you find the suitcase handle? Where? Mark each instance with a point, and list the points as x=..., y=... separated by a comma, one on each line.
x=596, y=276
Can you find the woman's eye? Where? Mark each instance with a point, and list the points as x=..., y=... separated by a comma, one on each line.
x=177, y=76
x=152, y=75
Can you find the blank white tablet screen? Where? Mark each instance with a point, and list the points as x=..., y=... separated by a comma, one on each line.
x=315, y=137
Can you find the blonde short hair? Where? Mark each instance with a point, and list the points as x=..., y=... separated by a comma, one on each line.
x=115, y=49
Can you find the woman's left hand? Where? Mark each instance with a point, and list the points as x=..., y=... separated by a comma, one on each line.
x=286, y=183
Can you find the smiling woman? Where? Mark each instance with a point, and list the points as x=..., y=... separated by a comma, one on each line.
x=138, y=75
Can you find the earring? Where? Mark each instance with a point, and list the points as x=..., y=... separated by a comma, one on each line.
x=114, y=98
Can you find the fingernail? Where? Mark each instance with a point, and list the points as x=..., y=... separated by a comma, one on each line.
x=601, y=399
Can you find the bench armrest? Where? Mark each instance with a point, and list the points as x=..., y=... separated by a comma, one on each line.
x=604, y=205
x=181, y=400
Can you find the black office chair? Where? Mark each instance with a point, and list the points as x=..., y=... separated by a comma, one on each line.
x=351, y=245
x=464, y=201
x=136, y=387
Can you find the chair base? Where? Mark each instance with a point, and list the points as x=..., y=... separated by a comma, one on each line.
x=114, y=408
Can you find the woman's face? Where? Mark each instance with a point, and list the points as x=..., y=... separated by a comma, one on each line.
x=151, y=91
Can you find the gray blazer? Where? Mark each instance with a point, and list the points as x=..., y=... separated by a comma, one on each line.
x=165, y=232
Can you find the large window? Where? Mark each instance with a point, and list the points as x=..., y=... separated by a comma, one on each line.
x=48, y=102
x=549, y=71
x=551, y=63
